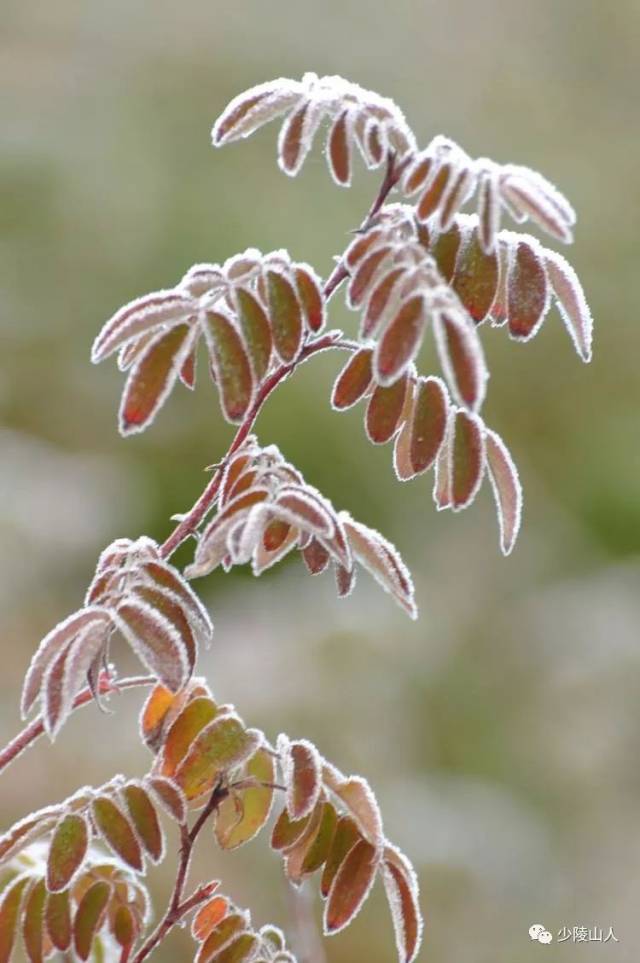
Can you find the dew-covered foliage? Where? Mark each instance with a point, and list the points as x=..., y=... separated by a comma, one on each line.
x=72, y=875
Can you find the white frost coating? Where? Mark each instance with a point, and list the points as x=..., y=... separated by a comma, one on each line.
x=170, y=667
x=128, y=428
x=156, y=784
x=545, y=187
x=507, y=489
x=295, y=767
x=571, y=302
x=358, y=799
x=122, y=800
x=263, y=559
x=479, y=428
x=241, y=117
x=442, y=474
x=158, y=309
x=474, y=355
x=489, y=206
x=394, y=898
x=383, y=561
x=88, y=644
x=309, y=509
x=51, y=646
x=514, y=240
x=337, y=883
x=527, y=196
x=183, y=595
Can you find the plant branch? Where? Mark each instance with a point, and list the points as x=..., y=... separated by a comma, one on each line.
x=331, y=339
x=35, y=729
x=179, y=907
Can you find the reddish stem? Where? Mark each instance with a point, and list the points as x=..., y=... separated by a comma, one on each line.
x=36, y=728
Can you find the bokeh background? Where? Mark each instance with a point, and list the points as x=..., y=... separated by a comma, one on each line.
x=501, y=731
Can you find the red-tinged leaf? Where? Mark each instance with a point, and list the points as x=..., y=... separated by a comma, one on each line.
x=293, y=142
x=374, y=145
x=345, y=837
x=571, y=301
x=230, y=361
x=152, y=378
x=361, y=246
x=306, y=510
x=432, y=197
x=319, y=849
x=351, y=886
x=208, y=917
x=67, y=851
x=345, y=580
x=168, y=607
x=527, y=291
x=275, y=534
x=240, y=950
x=287, y=832
x=366, y=274
x=339, y=149
x=384, y=411
x=33, y=922
x=475, y=279
x=315, y=556
x=381, y=300
x=296, y=855
x=136, y=318
x=28, y=829
x=428, y=423
x=57, y=919
x=144, y=817
x=309, y=288
x=445, y=249
x=467, y=458
x=417, y=174
x=170, y=796
x=405, y=911
x=499, y=306
x=382, y=560
x=188, y=371
x=253, y=108
x=170, y=580
x=507, y=490
x=264, y=559
x=303, y=777
x=191, y=721
x=53, y=644
x=354, y=380
x=256, y=330
x=9, y=911
x=488, y=210
x=89, y=916
x=527, y=196
x=236, y=825
x=461, y=358
x=285, y=314
x=442, y=475
x=401, y=341
x=69, y=674
x=212, y=547
x=225, y=933
x=401, y=455
x=117, y=831
x=460, y=188
x=220, y=746
x=124, y=926
x=156, y=642
x=356, y=795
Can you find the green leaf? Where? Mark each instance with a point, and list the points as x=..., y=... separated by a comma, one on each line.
x=285, y=314
x=57, y=917
x=220, y=746
x=89, y=917
x=33, y=922
x=9, y=909
x=145, y=819
x=193, y=718
x=235, y=826
x=256, y=330
x=231, y=366
x=117, y=831
x=67, y=851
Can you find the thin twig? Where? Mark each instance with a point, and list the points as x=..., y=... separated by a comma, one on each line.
x=35, y=729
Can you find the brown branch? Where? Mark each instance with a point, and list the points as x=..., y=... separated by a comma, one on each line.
x=179, y=907
x=332, y=339
x=35, y=729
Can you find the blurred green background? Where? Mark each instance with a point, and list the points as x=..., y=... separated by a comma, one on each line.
x=501, y=731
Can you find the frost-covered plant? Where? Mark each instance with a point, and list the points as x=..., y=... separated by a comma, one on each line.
x=72, y=872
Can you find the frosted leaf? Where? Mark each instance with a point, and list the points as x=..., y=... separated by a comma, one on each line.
x=351, y=886
x=401, y=341
x=383, y=561
x=571, y=302
x=384, y=410
x=353, y=381
x=255, y=107
x=355, y=794
x=401, y=888
x=530, y=194
x=156, y=642
x=296, y=136
x=507, y=490
x=467, y=458
x=461, y=358
x=527, y=290
x=303, y=770
x=152, y=311
x=68, y=673
x=339, y=149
